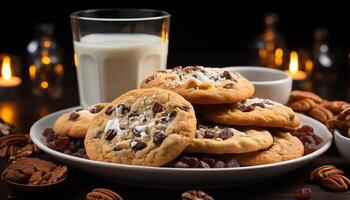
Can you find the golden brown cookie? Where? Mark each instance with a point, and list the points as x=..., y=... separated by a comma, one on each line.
x=219, y=139
x=251, y=112
x=75, y=124
x=284, y=147
x=202, y=85
x=147, y=127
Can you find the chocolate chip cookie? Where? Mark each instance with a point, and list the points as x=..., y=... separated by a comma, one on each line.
x=75, y=124
x=284, y=147
x=147, y=127
x=251, y=112
x=202, y=85
x=221, y=139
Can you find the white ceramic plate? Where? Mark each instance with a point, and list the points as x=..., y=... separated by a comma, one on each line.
x=173, y=176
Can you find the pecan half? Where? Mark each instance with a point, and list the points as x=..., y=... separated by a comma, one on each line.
x=13, y=139
x=195, y=195
x=297, y=95
x=103, y=194
x=336, y=182
x=336, y=106
x=302, y=105
x=321, y=113
x=324, y=171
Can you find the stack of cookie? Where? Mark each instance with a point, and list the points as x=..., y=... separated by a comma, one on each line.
x=152, y=126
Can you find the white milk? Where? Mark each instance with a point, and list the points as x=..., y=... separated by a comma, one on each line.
x=111, y=64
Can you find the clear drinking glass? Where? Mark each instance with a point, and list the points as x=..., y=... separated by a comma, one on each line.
x=115, y=49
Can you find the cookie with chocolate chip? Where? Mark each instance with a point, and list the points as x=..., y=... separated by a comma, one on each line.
x=148, y=127
x=202, y=85
x=75, y=123
x=285, y=147
x=221, y=139
x=251, y=112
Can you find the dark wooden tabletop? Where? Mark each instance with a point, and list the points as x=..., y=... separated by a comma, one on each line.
x=23, y=109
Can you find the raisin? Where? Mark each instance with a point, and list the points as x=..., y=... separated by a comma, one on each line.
x=123, y=109
x=210, y=161
x=219, y=164
x=137, y=145
x=208, y=134
x=303, y=193
x=109, y=110
x=72, y=147
x=191, y=161
x=171, y=116
x=157, y=107
x=158, y=137
x=110, y=134
x=73, y=116
x=47, y=131
x=291, y=117
x=181, y=165
x=225, y=134
x=61, y=142
x=232, y=163
x=202, y=164
x=51, y=136
x=226, y=75
x=116, y=148
x=68, y=152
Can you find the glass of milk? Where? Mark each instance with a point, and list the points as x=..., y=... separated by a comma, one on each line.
x=115, y=49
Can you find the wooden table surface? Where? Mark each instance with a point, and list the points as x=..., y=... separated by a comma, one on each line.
x=22, y=109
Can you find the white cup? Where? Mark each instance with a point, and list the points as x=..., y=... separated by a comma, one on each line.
x=269, y=83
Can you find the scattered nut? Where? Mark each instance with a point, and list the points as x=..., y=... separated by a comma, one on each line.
x=324, y=171
x=303, y=193
x=103, y=194
x=320, y=113
x=336, y=182
x=196, y=195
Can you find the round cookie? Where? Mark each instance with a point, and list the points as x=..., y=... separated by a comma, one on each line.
x=251, y=112
x=284, y=147
x=202, y=85
x=75, y=124
x=148, y=127
x=220, y=139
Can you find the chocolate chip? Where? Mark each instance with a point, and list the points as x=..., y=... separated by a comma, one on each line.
x=232, y=163
x=137, y=145
x=184, y=108
x=225, y=134
x=158, y=137
x=109, y=110
x=73, y=116
x=228, y=86
x=79, y=109
x=116, y=148
x=226, y=75
x=98, y=134
x=171, y=116
x=248, y=109
x=262, y=105
x=149, y=79
x=123, y=109
x=157, y=107
x=136, y=132
x=208, y=134
x=96, y=109
x=110, y=134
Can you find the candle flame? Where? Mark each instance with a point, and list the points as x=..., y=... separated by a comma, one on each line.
x=6, y=68
x=293, y=65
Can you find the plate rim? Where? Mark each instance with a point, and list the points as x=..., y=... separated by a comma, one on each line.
x=56, y=154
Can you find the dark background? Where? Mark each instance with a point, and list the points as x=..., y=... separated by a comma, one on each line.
x=212, y=34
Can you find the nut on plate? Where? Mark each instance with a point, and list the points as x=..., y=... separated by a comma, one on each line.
x=323, y=172
x=103, y=194
x=336, y=182
x=195, y=195
x=302, y=105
